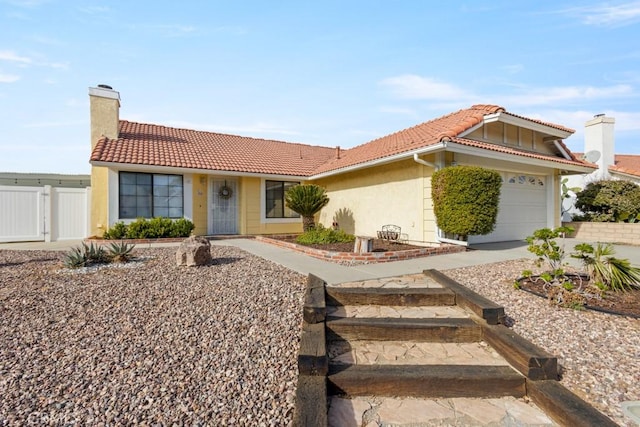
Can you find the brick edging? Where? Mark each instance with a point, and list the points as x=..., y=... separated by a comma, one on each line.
x=370, y=257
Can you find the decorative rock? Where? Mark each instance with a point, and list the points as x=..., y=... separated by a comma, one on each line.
x=196, y=250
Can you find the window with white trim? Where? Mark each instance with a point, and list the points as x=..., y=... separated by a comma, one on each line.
x=274, y=199
x=146, y=195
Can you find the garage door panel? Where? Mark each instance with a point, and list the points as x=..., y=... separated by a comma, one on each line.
x=522, y=209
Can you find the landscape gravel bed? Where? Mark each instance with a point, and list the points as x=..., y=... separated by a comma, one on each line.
x=148, y=343
x=599, y=353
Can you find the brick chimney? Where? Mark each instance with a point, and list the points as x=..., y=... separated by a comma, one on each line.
x=598, y=136
x=105, y=113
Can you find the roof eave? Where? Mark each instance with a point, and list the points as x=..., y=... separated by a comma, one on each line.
x=440, y=146
x=528, y=124
x=624, y=174
x=177, y=170
x=566, y=168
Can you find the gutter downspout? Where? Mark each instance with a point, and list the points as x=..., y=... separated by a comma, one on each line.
x=424, y=162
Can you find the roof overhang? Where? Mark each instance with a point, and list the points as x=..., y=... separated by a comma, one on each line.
x=565, y=168
x=440, y=146
x=527, y=124
x=625, y=174
x=177, y=171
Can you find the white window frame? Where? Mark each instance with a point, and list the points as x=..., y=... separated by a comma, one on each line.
x=263, y=203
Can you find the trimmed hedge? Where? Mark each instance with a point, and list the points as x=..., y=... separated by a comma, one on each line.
x=153, y=228
x=465, y=199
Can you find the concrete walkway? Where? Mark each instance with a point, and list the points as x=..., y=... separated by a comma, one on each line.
x=335, y=273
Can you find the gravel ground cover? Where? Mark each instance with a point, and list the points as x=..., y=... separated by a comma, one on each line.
x=599, y=353
x=148, y=343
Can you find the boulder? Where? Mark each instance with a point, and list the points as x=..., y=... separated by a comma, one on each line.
x=196, y=250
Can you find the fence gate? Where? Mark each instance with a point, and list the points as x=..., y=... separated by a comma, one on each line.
x=43, y=213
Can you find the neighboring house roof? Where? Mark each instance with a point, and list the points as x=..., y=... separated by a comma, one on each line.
x=163, y=146
x=155, y=145
x=626, y=163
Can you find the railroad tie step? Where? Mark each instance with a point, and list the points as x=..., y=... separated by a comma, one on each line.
x=441, y=381
x=390, y=296
x=407, y=329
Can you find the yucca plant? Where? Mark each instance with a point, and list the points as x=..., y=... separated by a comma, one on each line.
x=120, y=252
x=607, y=271
x=306, y=200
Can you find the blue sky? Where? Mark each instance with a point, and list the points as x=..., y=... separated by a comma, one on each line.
x=324, y=72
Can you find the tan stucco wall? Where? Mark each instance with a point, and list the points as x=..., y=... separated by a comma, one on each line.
x=99, y=208
x=250, y=212
x=200, y=204
x=104, y=113
x=361, y=202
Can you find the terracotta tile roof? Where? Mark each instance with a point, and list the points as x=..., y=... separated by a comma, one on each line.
x=431, y=133
x=155, y=145
x=626, y=163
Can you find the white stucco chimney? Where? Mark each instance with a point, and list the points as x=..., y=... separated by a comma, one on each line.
x=598, y=136
x=104, y=103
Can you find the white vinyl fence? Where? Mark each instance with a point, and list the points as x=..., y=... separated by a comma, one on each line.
x=43, y=213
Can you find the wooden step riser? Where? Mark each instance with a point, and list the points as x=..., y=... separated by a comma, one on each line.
x=390, y=297
x=419, y=330
x=433, y=334
x=440, y=381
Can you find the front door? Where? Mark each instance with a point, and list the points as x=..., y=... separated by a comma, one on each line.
x=224, y=206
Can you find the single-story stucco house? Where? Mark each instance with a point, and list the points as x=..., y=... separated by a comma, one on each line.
x=228, y=184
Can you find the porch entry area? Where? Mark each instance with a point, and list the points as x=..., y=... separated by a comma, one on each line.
x=223, y=216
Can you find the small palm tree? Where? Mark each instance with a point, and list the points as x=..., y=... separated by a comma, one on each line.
x=306, y=200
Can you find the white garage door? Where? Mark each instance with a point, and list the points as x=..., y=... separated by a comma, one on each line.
x=523, y=208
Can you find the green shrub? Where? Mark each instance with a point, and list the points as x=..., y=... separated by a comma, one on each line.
x=117, y=232
x=139, y=229
x=182, y=228
x=465, y=199
x=610, y=201
x=321, y=235
x=154, y=228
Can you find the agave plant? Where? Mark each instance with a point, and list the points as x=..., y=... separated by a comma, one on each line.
x=306, y=200
x=120, y=252
x=76, y=258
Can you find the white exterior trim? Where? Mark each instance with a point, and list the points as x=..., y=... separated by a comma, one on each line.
x=527, y=124
x=263, y=210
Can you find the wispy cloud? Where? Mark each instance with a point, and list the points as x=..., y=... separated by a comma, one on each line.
x=166, y=30
x=260, y=128
x=11, y=56
x=55, y=124
x=607, y=15
x=411, y=86
x=25, y=3
x=95, y=10
x=402, y=111
x=513, y=68
x=565, y=94
x=8, y=78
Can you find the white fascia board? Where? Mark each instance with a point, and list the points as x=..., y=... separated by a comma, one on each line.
x=440, y=146
x=470, y=130
x=514, y=158
x=625, y=175
x=181, y=171
x=562, y=150
x=527, y=124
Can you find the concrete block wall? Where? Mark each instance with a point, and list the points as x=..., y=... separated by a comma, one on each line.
x=610, y=232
